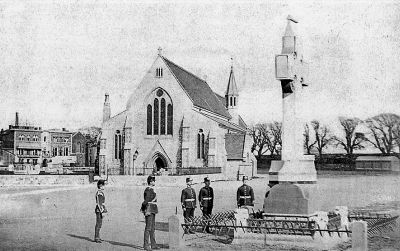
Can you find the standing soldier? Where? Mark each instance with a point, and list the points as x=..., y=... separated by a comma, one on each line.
x=100, y=209
x=206, y=200
x=149, y=209
x=188, y=201
x=245, y=194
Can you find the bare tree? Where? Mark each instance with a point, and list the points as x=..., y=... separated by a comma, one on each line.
x=267, y=137
x=322, y=136
x=396, y=133
x=308, y=143
x=275, y=146
x=352, y=140
x=383, y=129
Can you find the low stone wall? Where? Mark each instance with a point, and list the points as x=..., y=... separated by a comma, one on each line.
x=123, y=180
x=117, y=180
x=43, y=180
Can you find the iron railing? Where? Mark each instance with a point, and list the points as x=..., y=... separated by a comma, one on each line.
x=225, y=222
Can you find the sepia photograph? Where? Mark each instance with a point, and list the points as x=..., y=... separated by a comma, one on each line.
x=200, y=125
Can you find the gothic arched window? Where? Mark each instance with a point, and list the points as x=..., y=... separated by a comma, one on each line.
x=159, y=113
x=162, y=117
x=200, y=144
x=149, y=119
x=169, y=119
x=118, y=145
x=156, y=116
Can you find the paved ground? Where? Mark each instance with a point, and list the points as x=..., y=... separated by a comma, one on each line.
x=63, y=218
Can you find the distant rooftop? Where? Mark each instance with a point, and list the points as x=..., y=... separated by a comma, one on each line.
x=26, y=127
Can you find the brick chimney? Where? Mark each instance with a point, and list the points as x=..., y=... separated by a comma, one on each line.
x=16, y=119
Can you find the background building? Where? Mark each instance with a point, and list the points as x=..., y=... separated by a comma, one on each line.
x=56, y=143
x=23, y=142
x=79, y=148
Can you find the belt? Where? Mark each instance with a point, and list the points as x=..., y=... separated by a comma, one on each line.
x=207, y=198
x=245, y=197
x=151, y=202
x=189, y=199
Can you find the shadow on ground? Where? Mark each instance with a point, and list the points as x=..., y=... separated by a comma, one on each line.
x=115, y=243
x=161, y=226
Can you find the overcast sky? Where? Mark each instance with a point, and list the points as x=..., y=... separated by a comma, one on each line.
x=58, y=58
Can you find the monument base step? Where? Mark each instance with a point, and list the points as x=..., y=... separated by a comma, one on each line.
x=316, y=242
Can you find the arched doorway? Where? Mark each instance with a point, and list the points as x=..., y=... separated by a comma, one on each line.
x=159, y=163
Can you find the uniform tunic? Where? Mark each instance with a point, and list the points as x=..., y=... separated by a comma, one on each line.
x=188, y=198
x=206, y=197
x=245, y=196
x=100, y=202
x=188, y=201
x=149, y=205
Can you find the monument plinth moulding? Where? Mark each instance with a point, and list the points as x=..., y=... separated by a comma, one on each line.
x=294, y=177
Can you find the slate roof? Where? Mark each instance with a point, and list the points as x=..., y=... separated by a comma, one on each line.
x=234, y=145
x=226, y=124
x=221, y=99
x=242, y=123
x=198, y=90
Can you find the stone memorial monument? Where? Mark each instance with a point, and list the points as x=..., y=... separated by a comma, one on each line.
x=294, y=177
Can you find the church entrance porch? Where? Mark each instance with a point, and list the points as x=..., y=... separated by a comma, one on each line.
x=159, y=165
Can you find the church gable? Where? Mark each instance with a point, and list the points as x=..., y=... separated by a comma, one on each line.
x=157, y=151
x=116, y=121
x=198, y=90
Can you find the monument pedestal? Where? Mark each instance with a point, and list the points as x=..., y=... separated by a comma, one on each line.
x=301, y=170
x=294, y=184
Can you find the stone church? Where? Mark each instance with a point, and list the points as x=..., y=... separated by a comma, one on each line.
x=175, y=124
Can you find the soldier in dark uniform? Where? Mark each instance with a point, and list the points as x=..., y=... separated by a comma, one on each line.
x=206, y=200
x=149, y=209
x=188, y=201
x=245, y=194
x=100, y=209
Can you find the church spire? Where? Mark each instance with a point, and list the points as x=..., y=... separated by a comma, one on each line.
x=106, y=108
x=231, y=89
x=232, y=97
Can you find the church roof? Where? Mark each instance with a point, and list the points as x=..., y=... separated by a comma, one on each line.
x=242, y=123
x=234, y=145
x=226, y=124
x=198, y=90
x=232, y=88
x=117, y=120
x=221, y=99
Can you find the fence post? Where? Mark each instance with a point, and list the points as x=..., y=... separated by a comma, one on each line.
x=175, y=233
x=359, y=236
x=241, y=217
